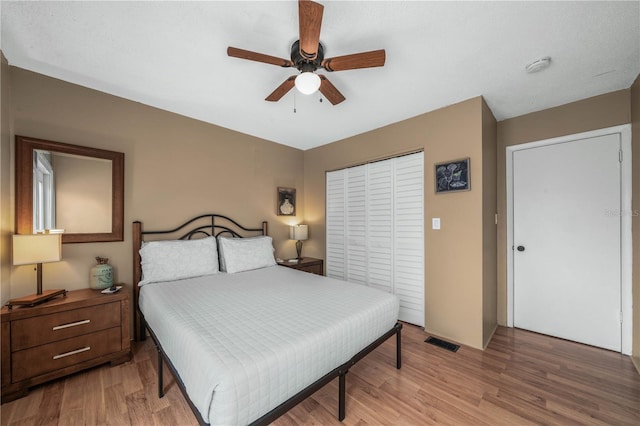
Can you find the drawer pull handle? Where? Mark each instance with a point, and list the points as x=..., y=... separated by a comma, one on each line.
x=77, y=351
x=71, y=324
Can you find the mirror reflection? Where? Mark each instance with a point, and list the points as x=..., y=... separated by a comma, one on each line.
x=71, y=193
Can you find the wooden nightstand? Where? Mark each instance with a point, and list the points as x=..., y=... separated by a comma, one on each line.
x=306, y=264
x=62, y=336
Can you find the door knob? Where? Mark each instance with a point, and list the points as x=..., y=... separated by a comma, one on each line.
x=520, y=248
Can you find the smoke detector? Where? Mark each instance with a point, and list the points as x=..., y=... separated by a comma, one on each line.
x=538, y=65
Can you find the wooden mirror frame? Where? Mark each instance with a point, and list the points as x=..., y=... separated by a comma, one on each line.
x=24, y=187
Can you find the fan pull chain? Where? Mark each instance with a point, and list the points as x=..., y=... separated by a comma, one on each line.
x=294, y=102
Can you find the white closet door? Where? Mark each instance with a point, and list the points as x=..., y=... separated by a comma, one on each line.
x=356, y=209
x=375, y=229
x=380, y=225
x=336, y=217
x=409, y=237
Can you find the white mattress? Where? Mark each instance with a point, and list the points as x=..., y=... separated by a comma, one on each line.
x=244, y=343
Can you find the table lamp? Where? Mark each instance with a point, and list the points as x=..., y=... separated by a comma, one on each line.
x=299, y=233
x=38, y=249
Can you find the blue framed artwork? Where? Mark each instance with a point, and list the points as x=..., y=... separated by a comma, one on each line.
x=453, y=176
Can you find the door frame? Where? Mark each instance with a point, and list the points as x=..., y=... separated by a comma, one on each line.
x=626, y=249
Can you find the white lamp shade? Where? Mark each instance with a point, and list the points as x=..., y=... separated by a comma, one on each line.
x=299, y=232
x=307, y=83
x=40, y=248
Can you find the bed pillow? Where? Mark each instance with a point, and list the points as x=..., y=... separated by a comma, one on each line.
x=178, y=259
x=245, y=254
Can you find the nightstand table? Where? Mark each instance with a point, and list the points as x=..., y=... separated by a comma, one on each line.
x=306, y=264
x=62, y=336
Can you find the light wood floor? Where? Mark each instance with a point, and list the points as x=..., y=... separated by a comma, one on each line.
x=521, y=378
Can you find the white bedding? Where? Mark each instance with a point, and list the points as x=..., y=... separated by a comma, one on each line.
x=244, y=343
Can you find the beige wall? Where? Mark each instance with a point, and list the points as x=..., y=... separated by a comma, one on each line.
x=489, y=209
x=175, y=168
x=83, y=193
x=454, y=295
x=635, y=225
x=6, y=212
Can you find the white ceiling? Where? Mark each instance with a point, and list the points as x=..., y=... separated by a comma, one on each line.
x=172, y=55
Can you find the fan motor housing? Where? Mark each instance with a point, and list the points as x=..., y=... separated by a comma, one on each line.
x=303, y=64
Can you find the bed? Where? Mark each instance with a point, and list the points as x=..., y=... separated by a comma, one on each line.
x=246, y=339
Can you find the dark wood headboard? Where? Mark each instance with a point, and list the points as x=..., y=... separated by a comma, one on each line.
x=198, y=227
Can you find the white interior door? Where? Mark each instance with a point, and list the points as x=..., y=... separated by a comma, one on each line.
x=567, y=240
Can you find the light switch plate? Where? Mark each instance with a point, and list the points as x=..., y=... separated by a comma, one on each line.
x=435, y=223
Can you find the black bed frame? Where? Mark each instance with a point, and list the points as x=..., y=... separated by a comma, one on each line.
x=215, y=225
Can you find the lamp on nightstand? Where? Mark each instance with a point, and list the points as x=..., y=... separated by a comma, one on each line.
x=299, y=233
x=38, y=249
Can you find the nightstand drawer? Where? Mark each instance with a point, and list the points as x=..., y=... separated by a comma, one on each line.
x=54, y=356
x=44, y=329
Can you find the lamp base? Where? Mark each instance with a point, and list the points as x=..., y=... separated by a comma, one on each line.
x=35, y=299
x=299, y=249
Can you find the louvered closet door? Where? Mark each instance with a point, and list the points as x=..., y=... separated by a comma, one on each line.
x=336, y=215
x=380, y=225
x=375, y=229
x=356, y=224
x=408, y=242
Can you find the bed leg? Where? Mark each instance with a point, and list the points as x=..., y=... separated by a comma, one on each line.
x=142, y=330
x=398, y=346
x=341, y=395
x=160, y=366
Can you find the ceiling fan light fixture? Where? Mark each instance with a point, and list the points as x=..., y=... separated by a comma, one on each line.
x=307, y=83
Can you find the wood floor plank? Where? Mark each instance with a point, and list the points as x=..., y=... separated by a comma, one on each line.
x=148, y=377
x=164, y=417
x=584, y=415
x=25, y=407
x=503, y=415
x=521, y=378
x=130, y=379
x=49, y=409
x=115, y=404
x=72, y=404
x=28, y=421
x=527, y=409
x=94, y=400
x=138, y=408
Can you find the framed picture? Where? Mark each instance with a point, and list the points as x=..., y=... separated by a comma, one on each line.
x=453, y=176
x=286, y=201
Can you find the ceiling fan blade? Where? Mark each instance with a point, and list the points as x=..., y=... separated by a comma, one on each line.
x=282, y=90
x=375, y=58
x=329, y=91
x=258, y=57
x=310, y=21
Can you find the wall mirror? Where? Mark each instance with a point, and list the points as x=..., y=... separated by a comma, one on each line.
x=72, y=188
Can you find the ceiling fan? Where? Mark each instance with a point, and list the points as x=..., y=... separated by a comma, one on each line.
x=307, y=55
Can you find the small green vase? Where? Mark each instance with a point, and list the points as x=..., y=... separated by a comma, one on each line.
x=101, y=274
